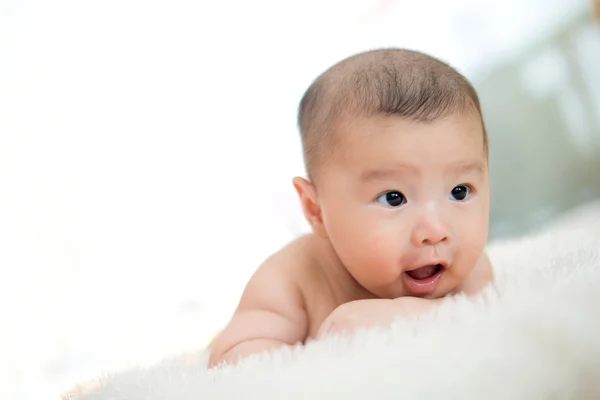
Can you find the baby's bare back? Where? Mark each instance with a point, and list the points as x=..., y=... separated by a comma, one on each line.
x=284, y=303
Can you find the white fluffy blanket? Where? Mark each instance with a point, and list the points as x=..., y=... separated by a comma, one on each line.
x=534, y=335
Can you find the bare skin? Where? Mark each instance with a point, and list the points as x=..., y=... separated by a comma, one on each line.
x=310, y=285
x=399, y=196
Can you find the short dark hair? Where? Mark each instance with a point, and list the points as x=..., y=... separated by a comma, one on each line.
x=391, y=81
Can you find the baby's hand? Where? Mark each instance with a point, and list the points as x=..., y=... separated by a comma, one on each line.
x=362, y=314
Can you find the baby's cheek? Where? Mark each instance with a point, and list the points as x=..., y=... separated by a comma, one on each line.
x=379, y=257
x=369, y=250
x=470, y=253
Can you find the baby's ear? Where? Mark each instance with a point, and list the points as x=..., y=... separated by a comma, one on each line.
x=310, y=205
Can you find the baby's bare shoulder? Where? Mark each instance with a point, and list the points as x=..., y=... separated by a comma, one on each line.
x=291, y=272
x=287, y=264
x=271, y=311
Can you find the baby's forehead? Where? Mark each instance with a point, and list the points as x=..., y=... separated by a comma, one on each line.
x=368, y=127
x=367, y=138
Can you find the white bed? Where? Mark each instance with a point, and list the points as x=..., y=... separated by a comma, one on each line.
x=534, y=335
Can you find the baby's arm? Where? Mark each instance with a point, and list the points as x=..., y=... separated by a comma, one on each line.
x=372, y=312
x=368, y=313
x=270, y=315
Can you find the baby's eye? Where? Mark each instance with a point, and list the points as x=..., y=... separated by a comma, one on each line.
x=460, y=192
x=392, y=199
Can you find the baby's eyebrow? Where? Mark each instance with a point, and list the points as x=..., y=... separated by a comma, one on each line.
x=467, y=167
x=386, y=173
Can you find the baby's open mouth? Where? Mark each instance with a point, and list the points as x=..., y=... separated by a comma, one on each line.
x=424, y=272
x=425, y=280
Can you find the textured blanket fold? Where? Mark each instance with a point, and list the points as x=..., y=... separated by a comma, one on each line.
x=534, y=334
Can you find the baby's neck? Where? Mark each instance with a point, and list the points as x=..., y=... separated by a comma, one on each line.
x=343, y=285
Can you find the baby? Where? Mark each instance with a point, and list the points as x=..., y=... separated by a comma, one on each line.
x=397, y=197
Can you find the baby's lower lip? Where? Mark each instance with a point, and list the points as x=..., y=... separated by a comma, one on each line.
x=423, y=286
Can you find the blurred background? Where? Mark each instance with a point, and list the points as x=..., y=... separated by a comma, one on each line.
x=147, y=150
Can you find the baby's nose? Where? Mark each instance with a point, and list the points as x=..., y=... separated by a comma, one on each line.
x=430, y=230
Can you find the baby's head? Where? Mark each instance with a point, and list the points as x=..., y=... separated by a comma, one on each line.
x=396, y=155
